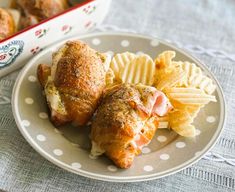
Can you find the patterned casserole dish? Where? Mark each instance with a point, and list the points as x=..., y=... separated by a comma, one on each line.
x=17, y=49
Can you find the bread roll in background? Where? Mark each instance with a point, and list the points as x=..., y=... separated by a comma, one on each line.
x=19, y=14
x=34, y=11
x=9, y=18
x=16, y=16
x=7, y=24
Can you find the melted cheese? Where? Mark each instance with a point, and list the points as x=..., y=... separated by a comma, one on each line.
x=51, y=92
x=96, y=150
x=53, y=97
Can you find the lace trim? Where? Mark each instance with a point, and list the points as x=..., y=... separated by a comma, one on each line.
x=219, y=179
x=219, y=158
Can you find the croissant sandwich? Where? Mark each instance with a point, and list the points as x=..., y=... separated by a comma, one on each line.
x=126, y=120
x=73, y=85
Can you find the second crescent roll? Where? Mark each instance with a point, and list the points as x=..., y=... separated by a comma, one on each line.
x=126, y=121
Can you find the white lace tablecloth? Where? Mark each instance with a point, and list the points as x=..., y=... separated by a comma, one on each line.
x=206, y=28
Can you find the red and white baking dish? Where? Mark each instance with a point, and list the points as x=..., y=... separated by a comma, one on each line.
x=16, y=50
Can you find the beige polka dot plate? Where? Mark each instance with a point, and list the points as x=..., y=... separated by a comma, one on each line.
x=69, y=147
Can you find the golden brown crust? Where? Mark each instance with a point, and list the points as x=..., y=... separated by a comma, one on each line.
x=7, y=24
x=118, y=121
x=80, y=68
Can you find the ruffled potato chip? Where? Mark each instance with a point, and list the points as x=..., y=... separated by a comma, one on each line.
x=181, y=122
x=187, y=88
x=193, y=110
x=139, y=70
x=167, y=75
x=191, y=96
x=195, y=78
x=119, y=61
x=164, y=60
x=168, y=79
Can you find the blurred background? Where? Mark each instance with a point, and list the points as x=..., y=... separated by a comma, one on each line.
x=204, y=22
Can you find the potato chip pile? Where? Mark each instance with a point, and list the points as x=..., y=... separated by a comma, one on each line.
x=184, y=83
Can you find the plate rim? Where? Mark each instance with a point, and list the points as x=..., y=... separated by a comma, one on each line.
x=36, y=147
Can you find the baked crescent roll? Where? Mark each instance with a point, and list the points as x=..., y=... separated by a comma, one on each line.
x=126, y=120
x=7, y=24
x=73, y=85
x=35, y=11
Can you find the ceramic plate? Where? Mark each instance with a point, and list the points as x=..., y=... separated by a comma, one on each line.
x=69, y=147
